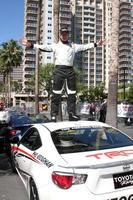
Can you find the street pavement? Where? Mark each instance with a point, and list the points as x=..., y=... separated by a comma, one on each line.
x=126, y=129
x=11, y=186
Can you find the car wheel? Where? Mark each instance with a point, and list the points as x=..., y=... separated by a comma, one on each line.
x=33, y=191
x=11, y=159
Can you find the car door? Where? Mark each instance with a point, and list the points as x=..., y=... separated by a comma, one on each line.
x=24, y=156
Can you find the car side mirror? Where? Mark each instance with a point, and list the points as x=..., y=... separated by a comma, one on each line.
x=15, y=140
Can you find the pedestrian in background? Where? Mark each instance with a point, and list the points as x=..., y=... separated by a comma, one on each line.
x=103, y=111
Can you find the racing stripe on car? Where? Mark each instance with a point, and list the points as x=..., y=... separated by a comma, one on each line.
x=24, y=153
x=29, y=157
x=40, y=159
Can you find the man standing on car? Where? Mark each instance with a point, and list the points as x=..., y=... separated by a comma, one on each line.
x=64, y=53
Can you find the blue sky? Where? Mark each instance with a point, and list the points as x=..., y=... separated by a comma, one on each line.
x=11, y=20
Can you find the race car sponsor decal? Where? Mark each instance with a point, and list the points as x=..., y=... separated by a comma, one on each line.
x=44, y=160
x=123, y=179
x=40, y=159
x=130, y=197
x=21, y=152
x=82, y=127
x=112, y=154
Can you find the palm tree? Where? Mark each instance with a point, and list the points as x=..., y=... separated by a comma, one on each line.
x=10, y=57
x=56, y=10
x=111, y=117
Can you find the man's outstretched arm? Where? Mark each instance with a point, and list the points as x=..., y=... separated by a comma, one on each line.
x=84, y=47
x=46, y=48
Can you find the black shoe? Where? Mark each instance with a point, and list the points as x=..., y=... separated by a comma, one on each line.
x=53, y=119
x=73, y=117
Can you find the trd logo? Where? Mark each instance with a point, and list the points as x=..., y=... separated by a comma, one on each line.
x=124, y=198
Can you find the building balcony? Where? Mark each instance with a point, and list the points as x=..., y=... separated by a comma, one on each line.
x=125, y=18
x=66, y=22
x=123, y=66
x=125, y=30
x=29, y=59
x=87, y=27
x=125, y=24
x=65, y=15
x=34, y=25
x=27, y=76
x=29, y=62
x=33, y=39
x=126, y=72
x=31, y=18
x=31, y=32
x=98, y=62
x=31, y=12
x=29, y=72
x=124, y=59
x=64, y=2
x=89, y=16
x=124, y=54
x=128, y=42
x=124, y=36
x=88, y=32
x=31, y=5
x=125, y=47
x=125, y=12
x=62, y=9
x=31, y=52
x=29, y=66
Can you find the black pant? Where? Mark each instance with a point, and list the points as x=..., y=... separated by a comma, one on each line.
x=63, y=75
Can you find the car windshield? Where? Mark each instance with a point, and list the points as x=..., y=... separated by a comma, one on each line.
x=89, y=139
x=39, y=118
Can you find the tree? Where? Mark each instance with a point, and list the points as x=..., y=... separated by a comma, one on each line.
x=10, y=57
x=56, y=10
x=99, y=92
x=111, y=116
x=130, y=92
x=17, y=86
x=45, y=77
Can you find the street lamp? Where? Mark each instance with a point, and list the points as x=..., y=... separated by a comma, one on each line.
x=124, y=83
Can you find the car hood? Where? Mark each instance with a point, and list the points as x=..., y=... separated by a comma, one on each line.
x=101, y=158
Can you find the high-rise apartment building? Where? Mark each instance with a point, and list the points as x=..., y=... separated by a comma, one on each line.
x=89, y=27
x=30, y=32
x=125, y=38
x=88, y=21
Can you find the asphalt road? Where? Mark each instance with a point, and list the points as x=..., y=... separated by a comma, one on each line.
x=11, y=186
x=126, y=129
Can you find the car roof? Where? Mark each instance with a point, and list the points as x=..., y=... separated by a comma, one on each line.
x=52, y=126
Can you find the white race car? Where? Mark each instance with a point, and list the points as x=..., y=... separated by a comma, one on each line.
x=81, y=160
